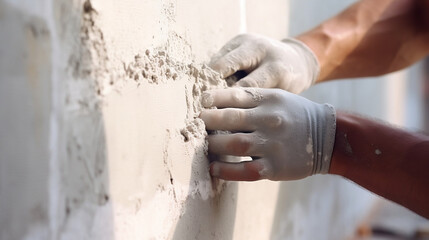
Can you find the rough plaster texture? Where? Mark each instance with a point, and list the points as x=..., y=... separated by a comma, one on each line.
x=99, y=136
x=102, y=136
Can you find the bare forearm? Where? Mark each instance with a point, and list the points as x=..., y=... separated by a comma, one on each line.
x=370, y=38
x=386, y=160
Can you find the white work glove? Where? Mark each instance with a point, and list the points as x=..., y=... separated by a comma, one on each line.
x=288, y=64
x=289, y=137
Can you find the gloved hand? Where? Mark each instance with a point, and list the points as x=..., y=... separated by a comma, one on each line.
x=288, y=64
x=288, y=136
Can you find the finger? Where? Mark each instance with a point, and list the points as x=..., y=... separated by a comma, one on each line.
x=263, y=77
x=231, y=45
x=231, y=97
x=242, y=58
x=243, y=171
x=237, y=144
x=228, y=119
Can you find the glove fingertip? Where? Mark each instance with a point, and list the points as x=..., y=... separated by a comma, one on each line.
x=223, y=69
x=247, y=82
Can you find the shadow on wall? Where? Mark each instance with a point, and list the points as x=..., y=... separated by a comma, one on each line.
x=213, y=218
x=83, y=207
x=25, y=105
x=53, y=171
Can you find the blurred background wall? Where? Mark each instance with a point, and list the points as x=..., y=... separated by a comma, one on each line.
x=399, y=98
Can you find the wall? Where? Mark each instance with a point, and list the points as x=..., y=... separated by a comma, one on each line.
x=25, y=105
x=99, y=104
x=100, y=137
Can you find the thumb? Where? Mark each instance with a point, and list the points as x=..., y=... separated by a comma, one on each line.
x=260, y=77
x=241, y=58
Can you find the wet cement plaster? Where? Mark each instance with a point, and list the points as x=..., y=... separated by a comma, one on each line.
x=137, y=159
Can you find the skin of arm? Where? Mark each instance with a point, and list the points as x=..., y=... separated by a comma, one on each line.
x=371, y=38
x=386, y=160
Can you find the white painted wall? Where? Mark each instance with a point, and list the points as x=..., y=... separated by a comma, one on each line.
x=98, y=135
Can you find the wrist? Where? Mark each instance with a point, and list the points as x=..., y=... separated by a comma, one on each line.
x=325, y=139
x=308, y=56
x=324, y=44
x=342, y=147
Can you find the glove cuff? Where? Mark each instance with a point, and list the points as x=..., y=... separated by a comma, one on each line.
x=309, y=55
x=325, y=139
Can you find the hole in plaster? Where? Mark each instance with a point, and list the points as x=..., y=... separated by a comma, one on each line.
x=87, y=7
x=185, y=135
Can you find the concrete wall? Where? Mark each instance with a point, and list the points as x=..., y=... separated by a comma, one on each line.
x=99, y=137
x=99, y=132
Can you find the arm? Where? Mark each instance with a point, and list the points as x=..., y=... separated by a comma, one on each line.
x=388, y=161
x=370, y=38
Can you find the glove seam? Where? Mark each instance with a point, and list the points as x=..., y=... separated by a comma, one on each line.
x=329, y=138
